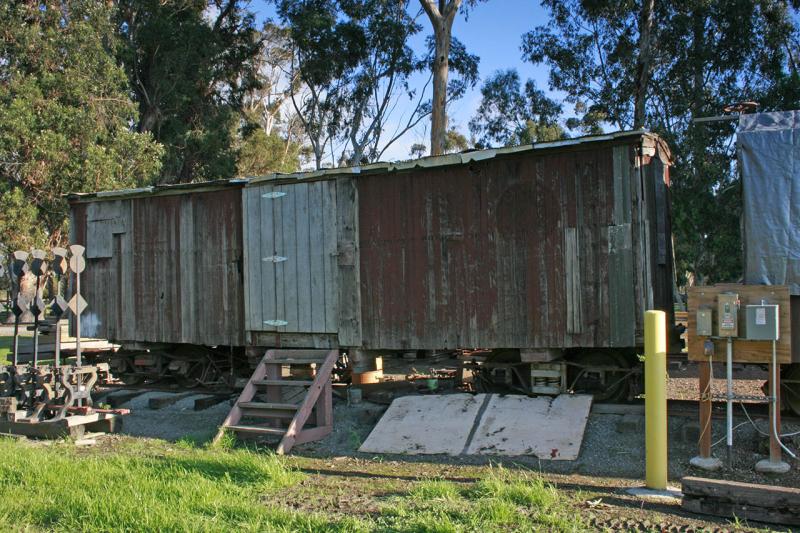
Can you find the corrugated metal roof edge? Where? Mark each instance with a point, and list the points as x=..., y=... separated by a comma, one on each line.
x=156, y=190
x=424, y=162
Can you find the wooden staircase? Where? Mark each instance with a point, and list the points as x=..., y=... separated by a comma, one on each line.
x=267, y=381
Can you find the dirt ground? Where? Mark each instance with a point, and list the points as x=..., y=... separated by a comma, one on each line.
x=612, y=455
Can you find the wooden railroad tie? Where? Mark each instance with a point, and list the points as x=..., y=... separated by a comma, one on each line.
x=746, y=501
x=267, y=379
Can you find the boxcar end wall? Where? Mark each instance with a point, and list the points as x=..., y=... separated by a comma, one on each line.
x=163, y=267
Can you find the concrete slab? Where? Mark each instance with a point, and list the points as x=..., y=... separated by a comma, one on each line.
x=483, y=424
x=765, y=466
x=436, y=424
x=549, y=428
x=669, y=495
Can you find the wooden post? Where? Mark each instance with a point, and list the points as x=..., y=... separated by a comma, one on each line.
x=704, y=460
x=704, y=443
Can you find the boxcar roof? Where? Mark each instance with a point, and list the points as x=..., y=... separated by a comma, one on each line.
x=659, y=148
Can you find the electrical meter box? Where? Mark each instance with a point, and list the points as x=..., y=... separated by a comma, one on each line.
x=762, y=322
x=704, y=326
x=728, y=314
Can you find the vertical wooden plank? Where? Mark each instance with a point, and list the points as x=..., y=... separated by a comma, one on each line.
x=291, y=252
x=329, y=242
x=348, y=262
x=302, y=259
x=247, y=263
x=574, y=285
x=644, y=248
x=126, y=271
x=187, y=265
x=266, y=235
x=624, y=285
x=283, y=231
x=316, y=257
x=660, y=191
x=621, y=298
x=622, y=186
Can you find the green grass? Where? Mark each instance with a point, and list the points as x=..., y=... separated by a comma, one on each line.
x=146, y=488
x=502, y=501
x=5, y=347
x=141, y=485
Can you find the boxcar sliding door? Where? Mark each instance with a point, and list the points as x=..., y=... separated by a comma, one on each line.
x=290, y=251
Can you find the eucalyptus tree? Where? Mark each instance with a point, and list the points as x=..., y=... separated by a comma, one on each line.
x=629, y=66
x=189, y=64
x=66, y=116
x=512, y=114
x=354, y=63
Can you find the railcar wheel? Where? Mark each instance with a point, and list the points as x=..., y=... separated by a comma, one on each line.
x=602, y=374
x=790, y=388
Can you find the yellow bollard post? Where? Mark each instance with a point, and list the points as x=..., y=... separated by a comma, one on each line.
x=655, y=399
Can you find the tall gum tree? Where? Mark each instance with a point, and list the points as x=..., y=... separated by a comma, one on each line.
x=441, y=13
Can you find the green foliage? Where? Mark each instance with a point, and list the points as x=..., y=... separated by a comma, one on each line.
x=455, y=142
x=66, y=113
x=261, y=153
x=509, y=114
x=705, y=55
x=189, y=65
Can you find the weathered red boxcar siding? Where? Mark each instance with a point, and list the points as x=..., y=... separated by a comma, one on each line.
x=175, y=273
x=474, y=255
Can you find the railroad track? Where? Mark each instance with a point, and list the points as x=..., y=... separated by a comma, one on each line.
x=689, y=408
x=155, y=387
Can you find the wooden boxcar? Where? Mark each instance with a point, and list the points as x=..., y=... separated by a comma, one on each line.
x=555, y=248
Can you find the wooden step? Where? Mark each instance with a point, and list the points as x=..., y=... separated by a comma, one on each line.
x=269, y=406
x=282, y=383
x=261, y=430
x=317, y=404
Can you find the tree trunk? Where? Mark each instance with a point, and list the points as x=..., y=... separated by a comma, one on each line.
x=442, y=17
x=441, y=66
x=643, y=64
x=28, y=289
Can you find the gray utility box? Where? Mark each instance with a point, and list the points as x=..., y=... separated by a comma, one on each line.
x=705, y=326
x=762, y=322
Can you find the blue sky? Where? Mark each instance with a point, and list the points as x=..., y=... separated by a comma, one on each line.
x=494, y=32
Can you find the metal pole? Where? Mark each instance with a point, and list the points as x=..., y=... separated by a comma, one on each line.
x=57, y=357
x=78, y=359
x=655, y=398
x=14, y=358
x=775, y=404
x=729, y=399
x=36, y=325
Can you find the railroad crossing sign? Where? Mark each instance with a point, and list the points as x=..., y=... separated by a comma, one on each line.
x=77, y=263
x=19, y=305
x=60, y=264
x=39, y=262
x=58, y=306
x=77, y=304
x=19, y=263
x=37, y=305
